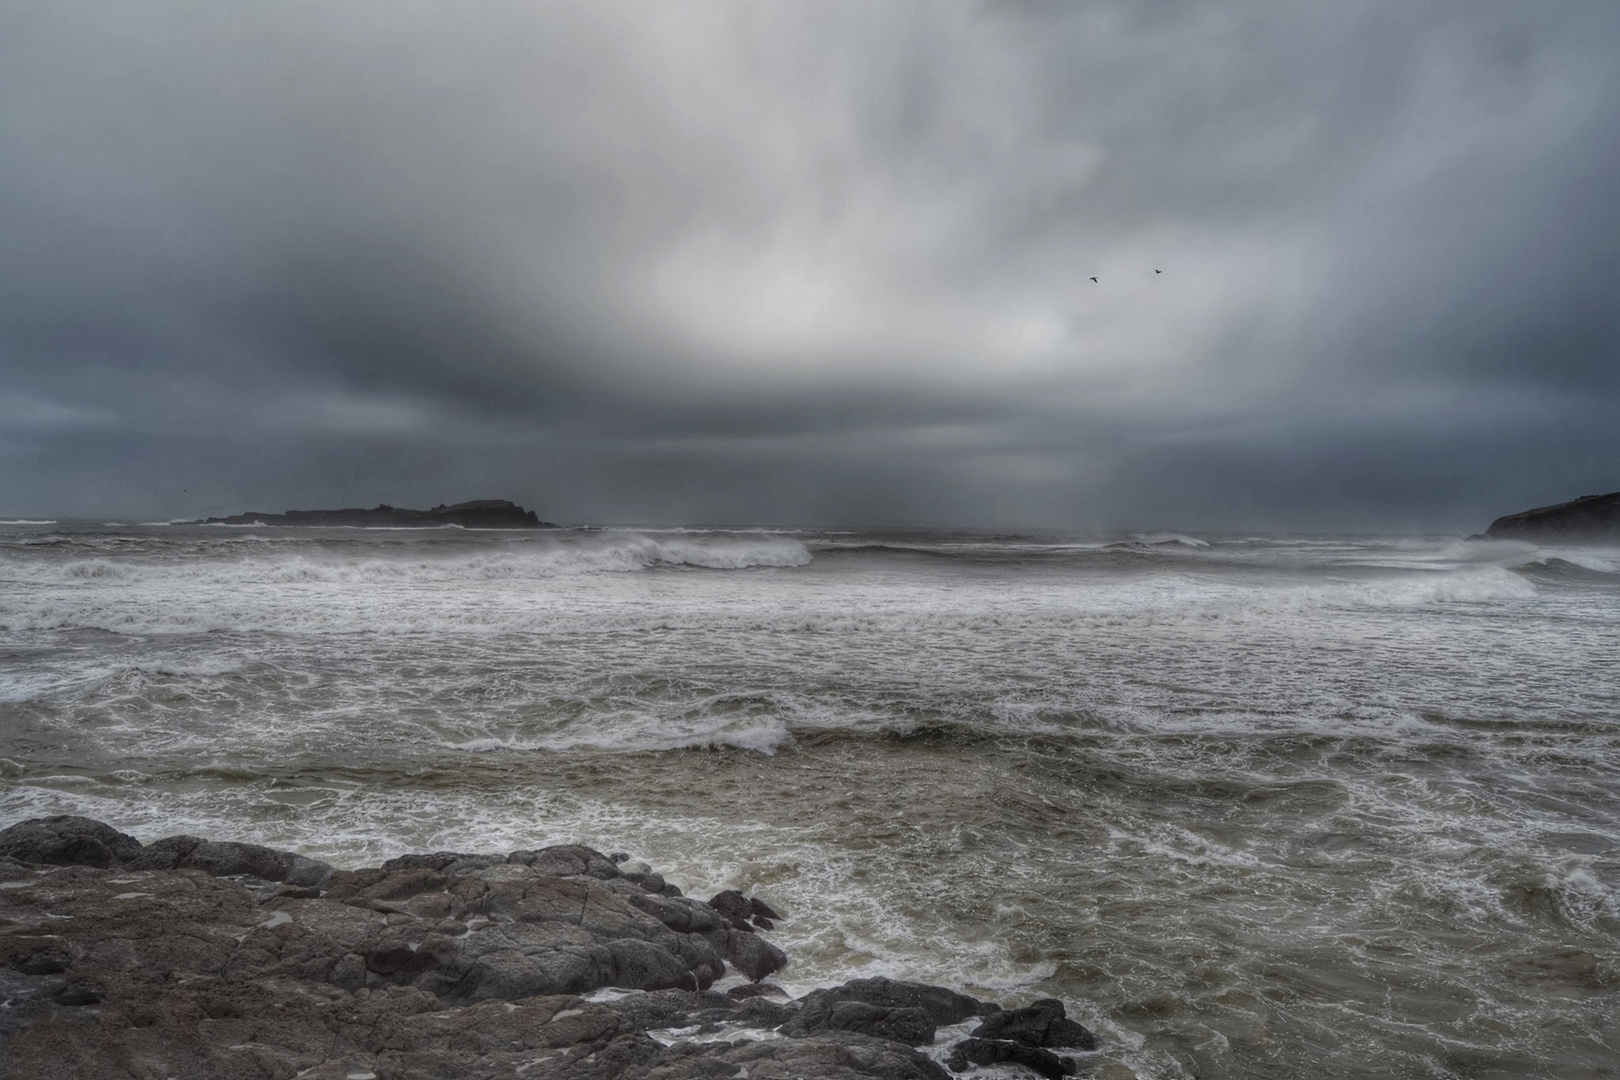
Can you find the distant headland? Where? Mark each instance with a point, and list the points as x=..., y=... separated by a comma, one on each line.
x=478, y=514
x=1590, y=517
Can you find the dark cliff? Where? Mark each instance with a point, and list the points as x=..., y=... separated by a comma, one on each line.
x=478, y=514
x=1590, y=517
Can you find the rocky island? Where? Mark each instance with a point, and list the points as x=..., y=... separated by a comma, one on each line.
x=1588, y=518
x=477, y=514
x=192, y=959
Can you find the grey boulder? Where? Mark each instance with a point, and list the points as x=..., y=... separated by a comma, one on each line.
x=68, y=840
x=1041, y=1024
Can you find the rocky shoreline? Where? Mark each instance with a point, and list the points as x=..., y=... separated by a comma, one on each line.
x=187, y=958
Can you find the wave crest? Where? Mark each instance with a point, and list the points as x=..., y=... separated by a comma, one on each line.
x=600, y=553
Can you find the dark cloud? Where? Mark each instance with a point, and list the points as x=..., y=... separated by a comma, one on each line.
x=813, y=263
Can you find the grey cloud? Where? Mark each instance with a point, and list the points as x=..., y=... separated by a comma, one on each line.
x=805, y=263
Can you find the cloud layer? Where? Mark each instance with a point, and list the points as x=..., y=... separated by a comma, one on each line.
x=821, y=263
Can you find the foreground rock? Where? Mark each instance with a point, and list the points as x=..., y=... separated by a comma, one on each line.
x=1588, y=518
x=478, y=514
x=1043, y=1024
x=1009, y=1052
x=900, y=1011
x=191, y=958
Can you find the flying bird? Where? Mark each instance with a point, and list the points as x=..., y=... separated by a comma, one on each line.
x=1093, y=279
x=1158, y=271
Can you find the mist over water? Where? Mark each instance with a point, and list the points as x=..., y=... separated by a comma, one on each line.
x=1255, y=806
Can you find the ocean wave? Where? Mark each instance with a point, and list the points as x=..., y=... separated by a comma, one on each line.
x=943, y=552
x=527, y=594
x=601, y=553
x=763, y=737
x=1570, y=571
x=1165, y=539
x=1475, y=585
x=1100, y=554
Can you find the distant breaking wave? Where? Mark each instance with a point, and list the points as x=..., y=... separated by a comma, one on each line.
x=1020, y=551
x=1569, y=571
x=1150, y=541
x=608, y=553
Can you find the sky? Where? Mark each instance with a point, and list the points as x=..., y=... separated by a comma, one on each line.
x=1357, y=265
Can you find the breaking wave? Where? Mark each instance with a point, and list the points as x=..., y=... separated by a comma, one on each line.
x=590, y=554
x=1570, y=571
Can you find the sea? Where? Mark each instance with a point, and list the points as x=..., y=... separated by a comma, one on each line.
x=1251, y=805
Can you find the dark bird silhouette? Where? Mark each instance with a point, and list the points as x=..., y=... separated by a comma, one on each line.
x=1158, y=271
x=1093, y=279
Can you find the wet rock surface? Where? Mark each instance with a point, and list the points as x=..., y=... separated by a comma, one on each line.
x=191, y=958
x=66, y=840
x=901, y=1011
x=970, y=1052
x=1044, y=1023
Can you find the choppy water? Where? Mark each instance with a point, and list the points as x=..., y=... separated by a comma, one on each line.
x=1272, y=807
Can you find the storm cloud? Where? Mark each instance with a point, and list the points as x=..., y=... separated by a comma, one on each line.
x=820, y=263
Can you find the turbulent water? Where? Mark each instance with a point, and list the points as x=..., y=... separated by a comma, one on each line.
x=1256, y=807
